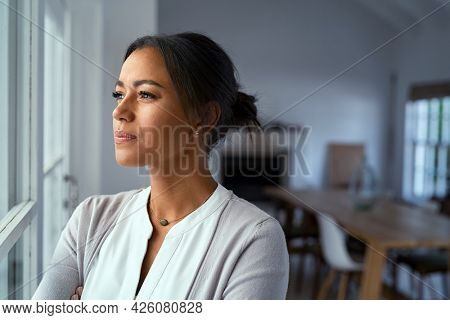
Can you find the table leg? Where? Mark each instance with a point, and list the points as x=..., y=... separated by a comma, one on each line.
x=372, y=278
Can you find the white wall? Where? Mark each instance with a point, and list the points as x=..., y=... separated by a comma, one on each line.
x=285, y=49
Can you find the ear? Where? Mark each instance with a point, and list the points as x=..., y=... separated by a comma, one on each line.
x=211, y=116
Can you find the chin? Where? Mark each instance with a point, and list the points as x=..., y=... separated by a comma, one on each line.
x=125, y=161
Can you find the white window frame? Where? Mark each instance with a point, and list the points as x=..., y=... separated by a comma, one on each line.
x=23, y=80
x=18, y=186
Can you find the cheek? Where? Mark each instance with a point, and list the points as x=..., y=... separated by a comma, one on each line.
x=153, y=123
x=160, y=145
x=161, y=114
x=149, y=143
x=168, y=110
x=164, y=131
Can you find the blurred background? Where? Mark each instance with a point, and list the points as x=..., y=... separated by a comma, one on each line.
x=358, y=91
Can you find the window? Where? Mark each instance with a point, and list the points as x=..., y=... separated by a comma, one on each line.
x=427, y=154
x=34, y=75
x=17, y=200
x=55, y=124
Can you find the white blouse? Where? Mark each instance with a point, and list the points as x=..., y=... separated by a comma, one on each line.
x=116, y=270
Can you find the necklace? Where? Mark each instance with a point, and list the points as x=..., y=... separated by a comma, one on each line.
x=165, y=222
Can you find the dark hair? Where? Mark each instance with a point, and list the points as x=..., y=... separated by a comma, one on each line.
x=202, y=72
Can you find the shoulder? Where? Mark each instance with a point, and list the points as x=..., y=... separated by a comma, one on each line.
x=258, y=251
x=245, y=212
x=245, y=221
x=109, y=201
x=97, y=211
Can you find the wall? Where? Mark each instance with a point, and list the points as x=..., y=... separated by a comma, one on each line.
x=284, y=50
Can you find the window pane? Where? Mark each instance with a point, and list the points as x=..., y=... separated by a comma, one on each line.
x=54, y=217
x=419, y=170
x=430, y=168
x=445, y=131
x=56, y=109
x=422, y=120
x=442, y=170
x=53, y=97
x=13, y=268
x=7, y=108
x=433, y=120
x=3, y=110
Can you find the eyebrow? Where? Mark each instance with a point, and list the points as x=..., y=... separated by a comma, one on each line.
x=137, y=83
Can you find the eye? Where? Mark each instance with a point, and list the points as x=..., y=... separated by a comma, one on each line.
x=146, y=95
x=117, y=95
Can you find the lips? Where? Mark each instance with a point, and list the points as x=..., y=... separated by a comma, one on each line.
x=122, y=137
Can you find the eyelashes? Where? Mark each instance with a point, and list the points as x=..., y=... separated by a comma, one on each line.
x=117, y=95
x=146, y=95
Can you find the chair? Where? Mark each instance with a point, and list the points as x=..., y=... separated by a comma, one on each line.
x=344, y=160
x=308, y=236
x=425, y=263
x=334, y=250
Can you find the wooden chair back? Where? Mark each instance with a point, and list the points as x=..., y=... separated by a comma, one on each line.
x=344, y=159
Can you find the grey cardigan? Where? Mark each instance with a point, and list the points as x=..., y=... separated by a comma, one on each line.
x=247, y=257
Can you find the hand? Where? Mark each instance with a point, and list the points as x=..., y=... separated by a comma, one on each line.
x=77, y=294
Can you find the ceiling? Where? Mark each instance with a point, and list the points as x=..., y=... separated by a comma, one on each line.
x=402, y=13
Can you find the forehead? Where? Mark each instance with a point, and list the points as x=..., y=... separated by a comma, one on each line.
x=146, y=63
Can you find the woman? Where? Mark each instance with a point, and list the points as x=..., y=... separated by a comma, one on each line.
x=185, y=236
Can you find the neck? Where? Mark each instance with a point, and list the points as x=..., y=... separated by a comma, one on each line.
x=173, y=197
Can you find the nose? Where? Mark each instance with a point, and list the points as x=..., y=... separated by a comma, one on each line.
x=123, y=111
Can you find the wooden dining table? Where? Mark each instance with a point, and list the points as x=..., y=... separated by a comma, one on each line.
x=388, y=224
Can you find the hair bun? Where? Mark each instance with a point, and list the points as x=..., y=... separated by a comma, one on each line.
x=244, y=110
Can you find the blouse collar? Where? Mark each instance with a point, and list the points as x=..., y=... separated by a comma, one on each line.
x=219, y=196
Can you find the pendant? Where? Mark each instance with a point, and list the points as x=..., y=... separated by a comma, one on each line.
x=163, y=222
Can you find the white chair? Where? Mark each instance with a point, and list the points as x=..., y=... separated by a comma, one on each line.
x=335, y=253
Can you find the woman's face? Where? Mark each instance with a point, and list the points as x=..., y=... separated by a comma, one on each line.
x=148, y=112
